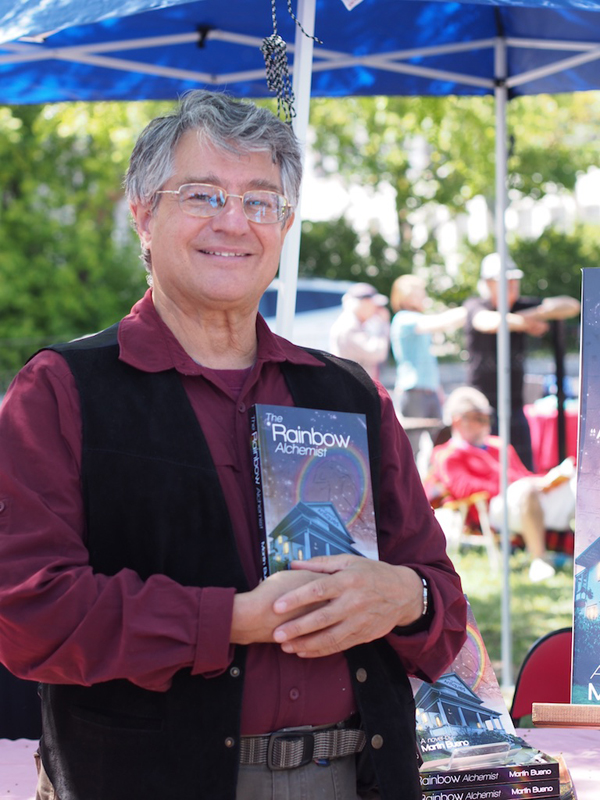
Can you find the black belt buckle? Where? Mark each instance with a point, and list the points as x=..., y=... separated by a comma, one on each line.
x=291, y=734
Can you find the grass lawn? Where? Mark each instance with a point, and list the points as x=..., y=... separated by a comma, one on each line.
x=536, y=608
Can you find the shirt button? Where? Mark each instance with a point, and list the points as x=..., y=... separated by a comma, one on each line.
x=294, y=694
x=377, y=742
x=361, y=675
x=242, y=408
x=229, y=741
x=235, y=672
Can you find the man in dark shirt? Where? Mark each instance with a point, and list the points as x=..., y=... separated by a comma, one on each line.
x=130, y=569
x=527, y=316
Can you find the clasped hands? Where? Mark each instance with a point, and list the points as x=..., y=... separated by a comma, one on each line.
x=327, y=605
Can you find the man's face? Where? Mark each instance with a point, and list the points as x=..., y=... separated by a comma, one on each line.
x=474, y=427
x=221, y=263
x=513, y=292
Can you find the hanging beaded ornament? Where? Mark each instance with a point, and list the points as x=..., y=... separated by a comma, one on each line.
x=274, y=50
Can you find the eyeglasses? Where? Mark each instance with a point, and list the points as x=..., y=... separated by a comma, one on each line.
x=204, y=200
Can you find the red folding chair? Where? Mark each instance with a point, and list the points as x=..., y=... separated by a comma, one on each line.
x=545, y=674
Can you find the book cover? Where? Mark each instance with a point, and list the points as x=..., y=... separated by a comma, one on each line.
x=500, y=791
x=313, y=484
x=464, y=730
x=585, y=683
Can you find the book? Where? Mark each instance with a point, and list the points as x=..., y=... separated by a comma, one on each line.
x=465, y=735
x=543, y=769
x=313, y=484
x=500, y=791
x=585, y=681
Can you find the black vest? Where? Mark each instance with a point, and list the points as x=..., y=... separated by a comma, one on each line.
x=154, y=504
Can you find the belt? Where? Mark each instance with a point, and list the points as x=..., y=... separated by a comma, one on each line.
x=289, y=748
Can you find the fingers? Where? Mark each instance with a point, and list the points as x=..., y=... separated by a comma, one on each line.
x=253, y=618
x=358, y=604
x=327, y=564
x=317, y=589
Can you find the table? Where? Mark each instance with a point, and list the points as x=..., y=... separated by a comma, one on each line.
x=579, y=746
x=543, y=424
x=17, y=769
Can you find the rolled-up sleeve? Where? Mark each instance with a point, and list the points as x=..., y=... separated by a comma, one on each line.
x=410, y=535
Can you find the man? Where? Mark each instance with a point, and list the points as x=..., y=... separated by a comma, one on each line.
x=469, y=462
x=527, y=316
x=129, y=558
x=362, y=331
x=418, y=390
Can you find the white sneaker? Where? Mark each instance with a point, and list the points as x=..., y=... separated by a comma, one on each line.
x=540, y=570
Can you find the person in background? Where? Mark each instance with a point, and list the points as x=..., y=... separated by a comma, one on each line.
x=418, y=390
x=130, y=565
x=527, y=316
x=362, y=331
x=469, y=462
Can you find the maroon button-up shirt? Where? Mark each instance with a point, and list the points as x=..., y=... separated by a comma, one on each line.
x=61, y=623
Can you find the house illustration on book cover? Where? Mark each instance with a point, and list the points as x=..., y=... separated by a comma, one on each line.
x=308, y=530
x=448, y=707
x=585, y=687
x=313, y=484
x=462, y=721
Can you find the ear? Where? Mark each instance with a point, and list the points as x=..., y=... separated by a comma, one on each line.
x=288, y=223
x=142, y=218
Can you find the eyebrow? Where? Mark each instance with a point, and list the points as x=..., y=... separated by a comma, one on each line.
x=255, y=183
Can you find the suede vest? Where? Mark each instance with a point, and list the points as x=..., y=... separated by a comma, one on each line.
x=154, y=504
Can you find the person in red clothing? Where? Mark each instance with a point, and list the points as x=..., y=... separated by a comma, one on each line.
x=131, y=585
x=469, y=462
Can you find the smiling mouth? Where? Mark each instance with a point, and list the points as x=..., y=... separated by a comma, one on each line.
x=224, y=255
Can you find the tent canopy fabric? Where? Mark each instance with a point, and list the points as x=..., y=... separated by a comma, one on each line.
x=83, y=51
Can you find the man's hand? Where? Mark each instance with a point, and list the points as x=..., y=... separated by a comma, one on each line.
x=254, y=619
x=358, y=600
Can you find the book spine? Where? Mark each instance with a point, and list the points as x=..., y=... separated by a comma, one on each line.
x=260, y=505
x=499, y=791
x=466, y=778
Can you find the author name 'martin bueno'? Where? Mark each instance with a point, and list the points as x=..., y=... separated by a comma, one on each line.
x=496, y=792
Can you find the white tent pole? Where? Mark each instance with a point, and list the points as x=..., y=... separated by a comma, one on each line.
x=501, y=94
x=288, y=268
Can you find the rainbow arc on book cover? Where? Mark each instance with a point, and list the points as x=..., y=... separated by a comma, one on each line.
x=313, y=484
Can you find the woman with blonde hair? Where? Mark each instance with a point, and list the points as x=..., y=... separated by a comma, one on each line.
x=417, y=390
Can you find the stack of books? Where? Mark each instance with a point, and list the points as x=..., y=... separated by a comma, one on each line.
x=467, y=744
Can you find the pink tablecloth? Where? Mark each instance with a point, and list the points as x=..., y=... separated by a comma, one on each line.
x=543, y=425
x=17, y=769
x=581, y=750
x=579, y=746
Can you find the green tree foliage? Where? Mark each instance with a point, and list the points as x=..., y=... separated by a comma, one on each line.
x=333, y=249
x=69, y=260
x=441, y=152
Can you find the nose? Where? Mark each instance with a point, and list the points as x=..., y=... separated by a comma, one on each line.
x=232, y=214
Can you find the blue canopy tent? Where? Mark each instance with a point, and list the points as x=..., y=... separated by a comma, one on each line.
x=110, y=50
x=57, y=50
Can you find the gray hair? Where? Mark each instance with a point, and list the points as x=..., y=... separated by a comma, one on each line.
x=463, y=400
x=229, y=124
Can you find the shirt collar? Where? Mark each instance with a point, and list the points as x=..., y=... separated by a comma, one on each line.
x=147, y=344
